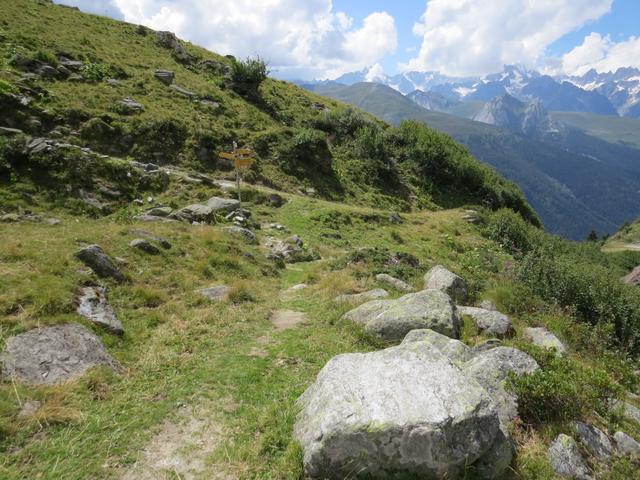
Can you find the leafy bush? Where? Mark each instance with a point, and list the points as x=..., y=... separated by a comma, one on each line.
x=163, y=137
x=511, y=232
x=247, y=75
x=95, y=71
x=341, y=123
x=562, y=390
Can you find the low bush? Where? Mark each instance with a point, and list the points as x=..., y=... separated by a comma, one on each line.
x=247, y=75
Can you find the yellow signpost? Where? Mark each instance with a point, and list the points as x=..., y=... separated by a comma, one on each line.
x=242, y=159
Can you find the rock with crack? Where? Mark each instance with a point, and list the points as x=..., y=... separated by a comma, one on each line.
x=394, y=283
x=545, y=339
x=144, y=246
x=51, y=355
x=95, y=258
x=165, y=76
x=439, y=278
x=627, y=445
x=93, y=305
x=354, y=298
x=402, y=411
x=223, y=205
x=217, y=293
x=244, y=233
x=492, y=368
x=490, y=322
x=566, y=460
x=594, y=440
x=195, y=213
x=454, y=350
x=393, y=319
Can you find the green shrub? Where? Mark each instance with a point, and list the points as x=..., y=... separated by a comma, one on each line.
x=95, y=71
x=511, y=232
x=561, y=390
x=341, y=123
x=247, y=75
x=163, y=138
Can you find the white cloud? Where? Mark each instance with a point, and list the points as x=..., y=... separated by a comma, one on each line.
x=375, y=73
x=602, y=54
x=298, y=39
x=108, y=8
x=474, y=37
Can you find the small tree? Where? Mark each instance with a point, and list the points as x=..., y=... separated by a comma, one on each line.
x=593, y=236
x=247, y=75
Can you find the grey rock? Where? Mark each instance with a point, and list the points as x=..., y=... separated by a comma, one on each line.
x=51, y=355
x=48, y=72
x=163, y=242
x=491, y=370
x=160, y=211
x=165, y=76
x=276, y=200
x=169, y=41
x=226, y=205
x=93, y=305
x=394, y=218
x=144, y=246
x=184, y=91
x=439, y=278
x=627, y=445
x=454, y=350
x=490, y=322
x=629, y=411
x=362, y=297
x=393, y=282
x=495, y=461
x=247, y=235
x=153, y=218
x=486, y=345
x=545, y=339
x=595, y=440
x=91, y=200
x=196, y=213
x=10, y=131
x=488, y=305
x=95, y=258
x=129, y=106
x=633, y=277
x=217, y=293
x=566, y=460
x=406, y=410
x=393, y=319
x=73, y=65
x=29, y=408
x=287, y=251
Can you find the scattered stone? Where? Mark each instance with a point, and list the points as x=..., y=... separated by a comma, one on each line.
x=160, y=211
x=144, y=246
x=153, y=218
x=51, y=355
x=6, y=131
x=169, y=41
x=393, y=319
x=393, y=282
x=632, y=278
x=73, y=65
x=627, y=445
x=163, y=242
x=471, y=216
x=218, y=293
x=29, y=408
x=110, y=192
x=284, y=319
x=545, y=339
x=165, y=76
x=53, y=221
x=94, y=257
x=362, y=297
x=91, y=200
x=93, y=305
x=247, y=235
x=196, y=213
x=595, y=440
x=491, y=369
x=439, y=278
x=226, y=205
x=395, y=218
x=10, y=218
x=276, y=200
x=566, y=460
x=129, y=106
x=490, y=322
x=402, y=411
x=297, y=288
x=48, y=72
x=288, y=251
x=629, y=411
x=184, y=91
x=454, y=350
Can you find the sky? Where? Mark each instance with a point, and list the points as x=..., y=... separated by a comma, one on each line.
x=323, y=39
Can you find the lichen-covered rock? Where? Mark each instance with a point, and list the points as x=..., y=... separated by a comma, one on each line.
x=394, y=283
x=488, y=344
x=497, y=458
x=595, y=440
x=545, y=339
x=491, y=369
x=195, y=213
x=406, y=410
x=629, y=411
x=247, y=235
x=627, y=445
x=490, y=322
x=223, y=205
x=439, y=278
x=95, y=258
x=93, y=305
x=144, y=246
x=566, y=460
x=454, y=350
x=51, y=355
x=374, y=294
x=393, y=319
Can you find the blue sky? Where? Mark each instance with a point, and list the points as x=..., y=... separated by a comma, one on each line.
x=326, y=38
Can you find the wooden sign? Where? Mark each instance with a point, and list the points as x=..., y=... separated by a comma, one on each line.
x=243, y=163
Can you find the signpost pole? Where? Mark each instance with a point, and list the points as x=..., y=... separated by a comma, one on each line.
x=242, y=160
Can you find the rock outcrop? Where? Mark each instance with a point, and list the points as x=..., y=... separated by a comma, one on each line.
x=93, y=305
x=566, y=460
x=50, y=355
x=439, y=278
x=594, y=440
x=354, y=298
x=545, y=339
x=393, y=319
x=95, y=258
x=394, y=283
x=490, y=322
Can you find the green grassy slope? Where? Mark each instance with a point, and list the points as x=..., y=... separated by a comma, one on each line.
x=612, y=129
x=573, y=193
